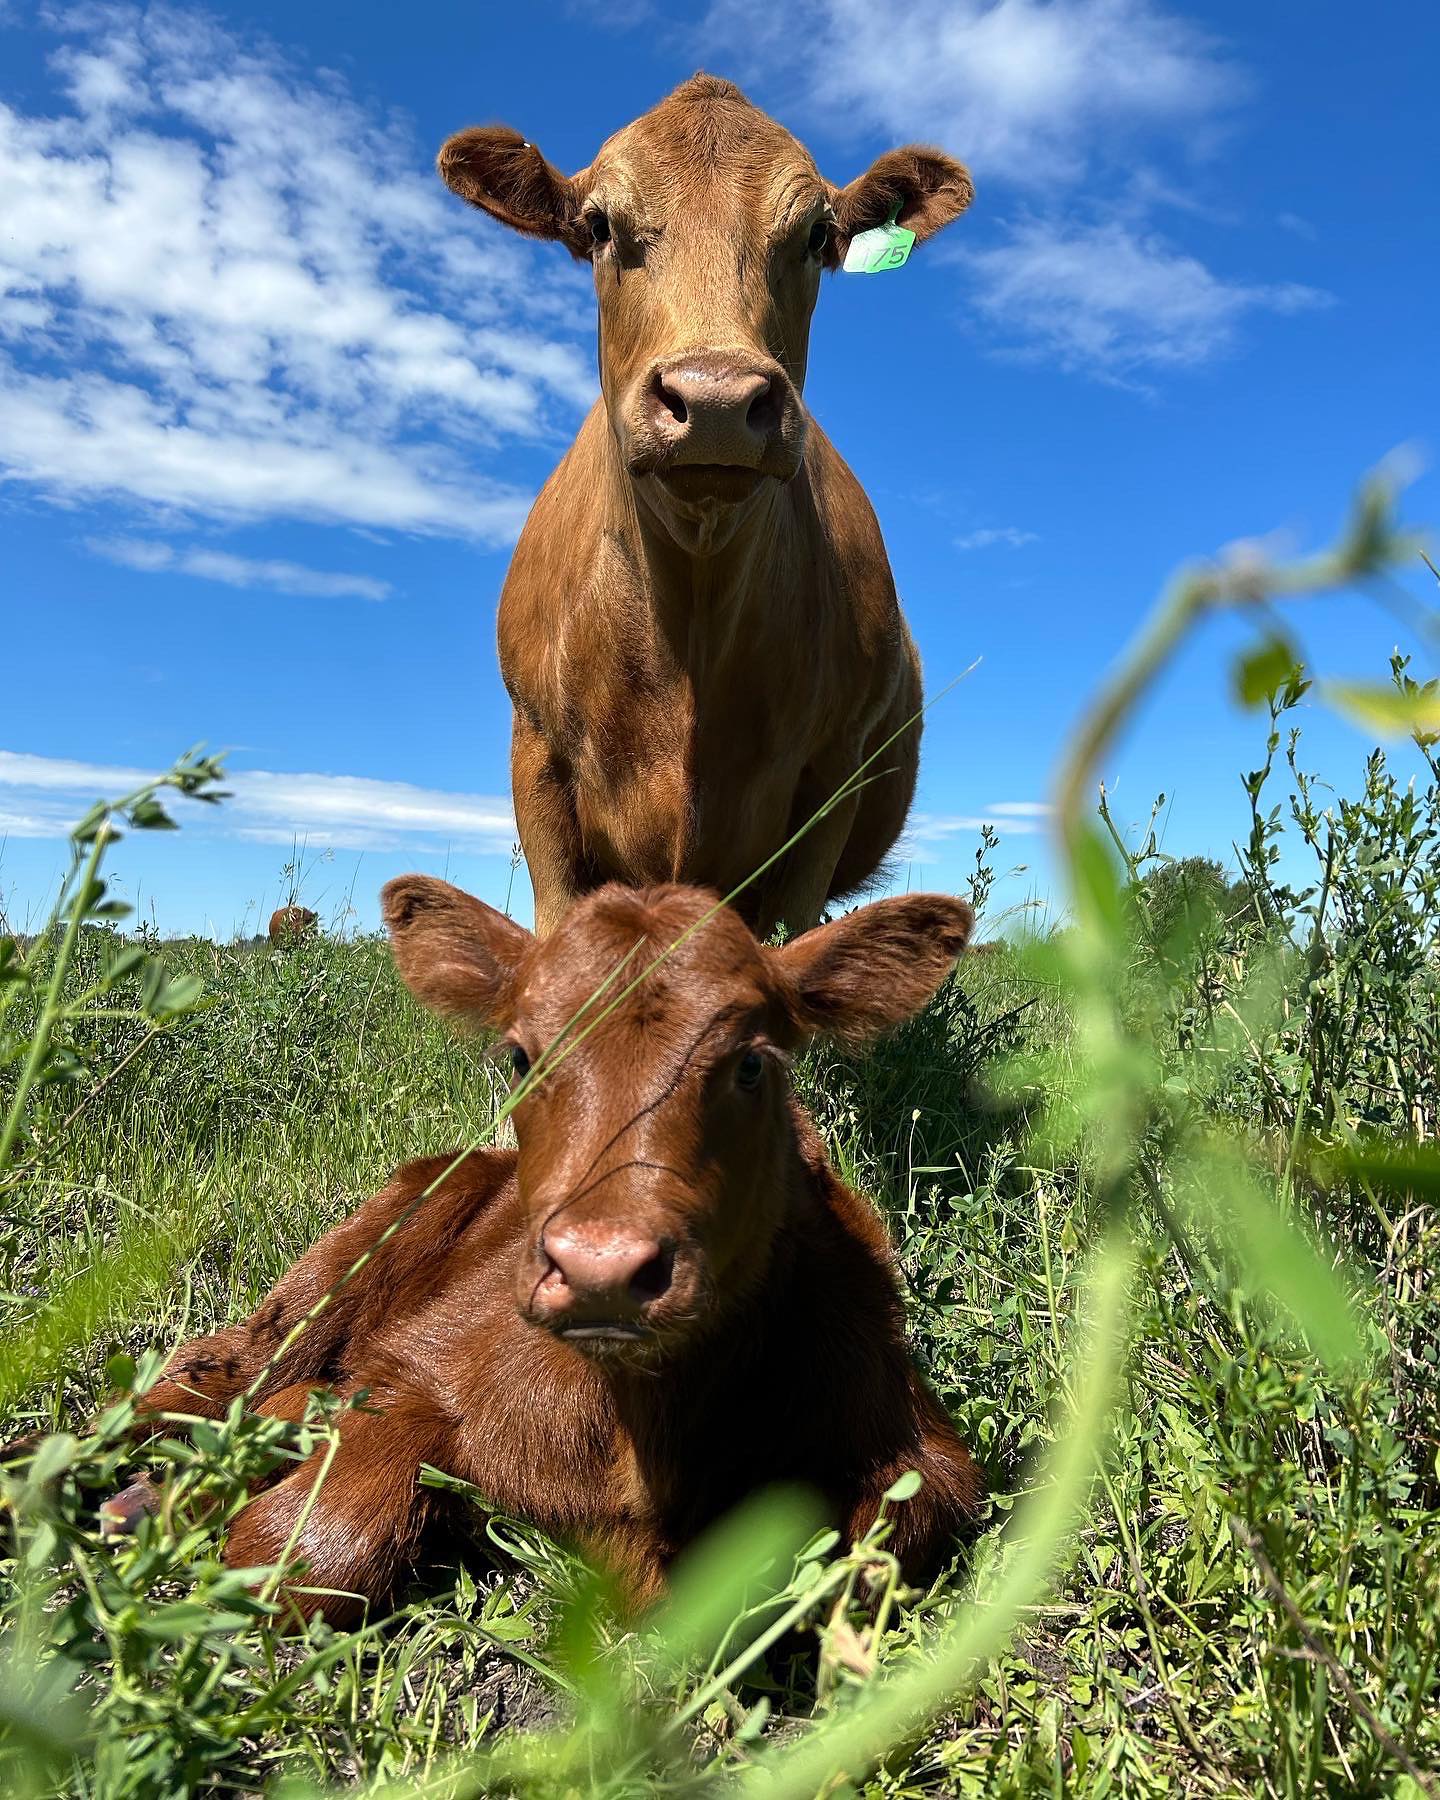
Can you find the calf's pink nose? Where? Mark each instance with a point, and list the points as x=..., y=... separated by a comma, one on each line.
x=610, y=1270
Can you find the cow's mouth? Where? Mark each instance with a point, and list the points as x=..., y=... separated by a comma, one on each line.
x=615, y=1343
x=609, y=1331
x=726, y=482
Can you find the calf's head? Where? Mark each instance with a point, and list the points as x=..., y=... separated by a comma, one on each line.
x=707, y=225
x=657, y=1149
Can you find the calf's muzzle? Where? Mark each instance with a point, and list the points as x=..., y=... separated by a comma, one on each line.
x=600, y=1279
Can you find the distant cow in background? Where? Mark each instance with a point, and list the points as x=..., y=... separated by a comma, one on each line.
x=293, y=924
x=699, y=630
x=665, y=1300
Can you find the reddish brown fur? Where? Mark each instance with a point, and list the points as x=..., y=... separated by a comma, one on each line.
x=776, y=1353
x=292, y=923
x=699, y=629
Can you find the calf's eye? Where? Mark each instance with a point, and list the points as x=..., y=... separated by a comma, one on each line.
x=519, y=1062
x=819, y=236
x=748, y=1071
x=599, y=228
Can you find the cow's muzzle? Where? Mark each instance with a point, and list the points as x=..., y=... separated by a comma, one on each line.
x=713, y=423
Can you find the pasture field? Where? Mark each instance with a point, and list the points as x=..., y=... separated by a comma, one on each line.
x=1159, y=1187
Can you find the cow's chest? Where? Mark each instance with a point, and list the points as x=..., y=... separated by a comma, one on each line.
x=691, y=782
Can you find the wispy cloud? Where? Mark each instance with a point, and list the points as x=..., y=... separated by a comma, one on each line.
x=1115, y=301
x=927, y=831
x=226, y=288
x=1031, y=91
x=1010, y=537
x=150, y=555
x=42, y=796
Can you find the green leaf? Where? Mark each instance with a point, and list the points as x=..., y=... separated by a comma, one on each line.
x=177, y=996
x=54, y=1455
x=1386, y=710
x=129, y=959
x=1096, y=875
x=905, y=1487
x=188, y=1618
x=746, y=1555
x=1275, y=1256
x=1403, y=1172
x=1263, y=671
x=91, y=825
x=148, y=814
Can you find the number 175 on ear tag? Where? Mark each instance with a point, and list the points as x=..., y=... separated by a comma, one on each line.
x=873, y=252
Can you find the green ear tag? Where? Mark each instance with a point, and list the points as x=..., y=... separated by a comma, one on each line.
x=883, y=247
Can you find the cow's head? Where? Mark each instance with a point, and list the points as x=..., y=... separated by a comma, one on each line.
x=708, y=225
x=658, y=1155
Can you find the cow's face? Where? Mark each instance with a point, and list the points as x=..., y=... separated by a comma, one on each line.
x=708, y=226
x=657, y=1143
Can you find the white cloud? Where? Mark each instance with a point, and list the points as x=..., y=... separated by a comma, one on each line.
x=1114, y=301
x=1030, y=91
x=990, y=535
x=926, y=831
x=226, y=288
x=346, y=811
x=151, y=556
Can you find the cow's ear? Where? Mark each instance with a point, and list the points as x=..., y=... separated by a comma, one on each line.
x=497, y=170
x=930, y=189
x=455, y=954
x=873, y=969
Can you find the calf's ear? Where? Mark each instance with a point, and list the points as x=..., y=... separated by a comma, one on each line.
x=930, y=189
x=456, y=955
x=875, y=968
x=497, y=170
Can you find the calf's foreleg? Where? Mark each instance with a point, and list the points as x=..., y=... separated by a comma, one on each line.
x=353, y=1513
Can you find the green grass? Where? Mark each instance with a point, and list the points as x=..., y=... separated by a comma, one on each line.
x=1163, y=1205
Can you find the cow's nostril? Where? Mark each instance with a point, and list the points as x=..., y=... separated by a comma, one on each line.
x=672, y=400
x=764, y=414
x=653, y=1278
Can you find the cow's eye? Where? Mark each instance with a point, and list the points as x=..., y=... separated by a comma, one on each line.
x=748, y=1071
x=819, y=237
x=599, y=228
x=519, y=1062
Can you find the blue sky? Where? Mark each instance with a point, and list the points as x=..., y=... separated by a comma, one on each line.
x=273, y=404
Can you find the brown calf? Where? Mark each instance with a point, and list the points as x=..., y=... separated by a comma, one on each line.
x=291, y=924
x=664, y=1301
x=699, y=630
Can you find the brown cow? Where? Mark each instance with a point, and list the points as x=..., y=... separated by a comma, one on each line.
x=292, y=924
x=699, y=629
x=664, y=1301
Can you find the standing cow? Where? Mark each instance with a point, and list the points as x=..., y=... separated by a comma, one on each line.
x=699, y=629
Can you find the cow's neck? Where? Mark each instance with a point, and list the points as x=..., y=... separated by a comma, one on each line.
x=706, y=605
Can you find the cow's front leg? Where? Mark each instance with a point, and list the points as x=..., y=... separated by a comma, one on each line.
x=928, y=1527
x=354, y=1514
x=546, y=821
x=794, y=892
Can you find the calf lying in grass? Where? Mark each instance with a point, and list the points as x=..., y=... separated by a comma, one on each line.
x=662, y=1302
